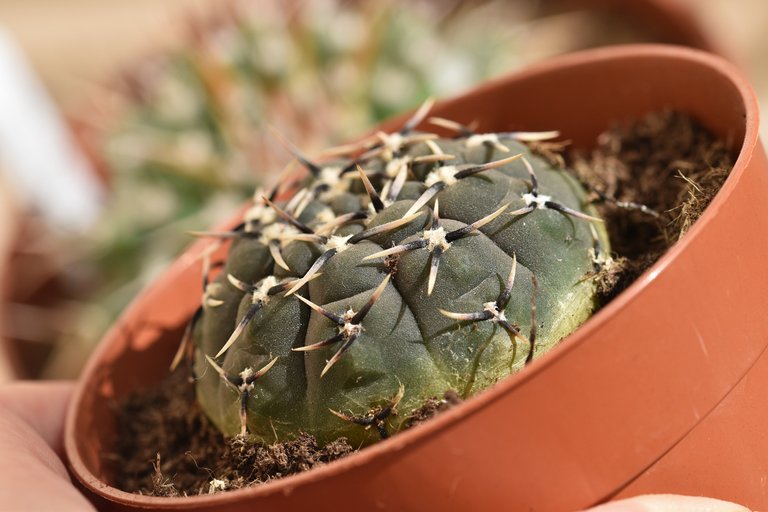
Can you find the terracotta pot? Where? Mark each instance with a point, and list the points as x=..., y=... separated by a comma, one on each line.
x=657, y=392
x=662, y=21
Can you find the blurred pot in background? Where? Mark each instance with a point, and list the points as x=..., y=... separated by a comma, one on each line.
x=49, y=192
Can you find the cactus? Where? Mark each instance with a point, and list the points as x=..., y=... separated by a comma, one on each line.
x=414, y=266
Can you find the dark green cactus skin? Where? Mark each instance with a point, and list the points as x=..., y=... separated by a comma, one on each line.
x=405, y=339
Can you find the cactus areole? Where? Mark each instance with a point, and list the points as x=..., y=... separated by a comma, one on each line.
x=415, y=266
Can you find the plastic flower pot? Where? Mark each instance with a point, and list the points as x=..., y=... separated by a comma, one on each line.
x=658, y=392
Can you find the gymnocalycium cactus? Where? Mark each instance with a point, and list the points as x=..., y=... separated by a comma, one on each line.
x=413, y=267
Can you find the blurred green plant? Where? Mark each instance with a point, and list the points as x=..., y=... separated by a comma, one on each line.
x=187, y=140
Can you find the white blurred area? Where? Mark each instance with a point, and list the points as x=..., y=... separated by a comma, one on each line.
x=55, y=54
x=37, y=152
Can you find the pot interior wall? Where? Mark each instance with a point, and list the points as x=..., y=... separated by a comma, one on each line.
x=137, y=369
x=585, y=98
x=139, y=350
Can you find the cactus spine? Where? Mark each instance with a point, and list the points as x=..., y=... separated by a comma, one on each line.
x=393, y=275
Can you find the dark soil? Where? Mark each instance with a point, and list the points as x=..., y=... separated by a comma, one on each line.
x=665, y=162
x=432, y=407
x=168, y=447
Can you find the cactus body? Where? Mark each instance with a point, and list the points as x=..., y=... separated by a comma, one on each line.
x=418, y=333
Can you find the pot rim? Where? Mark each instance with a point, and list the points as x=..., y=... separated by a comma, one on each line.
x=466, y=409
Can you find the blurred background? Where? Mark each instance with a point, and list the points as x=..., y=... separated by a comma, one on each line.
x=126, y=123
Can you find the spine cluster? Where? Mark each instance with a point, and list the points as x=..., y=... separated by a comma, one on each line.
x=376, y=211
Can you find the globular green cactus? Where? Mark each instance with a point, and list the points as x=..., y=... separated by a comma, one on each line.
x=411, y=268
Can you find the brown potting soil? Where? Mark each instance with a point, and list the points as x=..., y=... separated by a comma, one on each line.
x=168, y=447
x=432, y=407
x=650, y=181
x=666, y=162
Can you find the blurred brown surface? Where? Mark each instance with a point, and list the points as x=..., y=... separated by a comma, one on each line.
x=740, y=26
x=75, y=44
